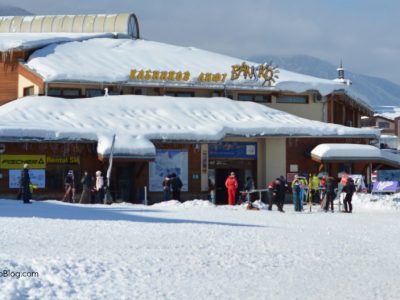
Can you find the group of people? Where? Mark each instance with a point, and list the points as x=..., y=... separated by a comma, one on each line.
x=93, y=190
x=172, y=186
x=321, y=191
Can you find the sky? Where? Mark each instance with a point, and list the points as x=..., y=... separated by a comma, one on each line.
x=362, y=33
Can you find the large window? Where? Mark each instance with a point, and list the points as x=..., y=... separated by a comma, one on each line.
x=94, y=92
x=383, y=124
x=292, y=99
x=254, y=98
x=65, y=93
x=179, y=94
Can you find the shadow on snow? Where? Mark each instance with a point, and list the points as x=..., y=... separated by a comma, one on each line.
x=58, y=210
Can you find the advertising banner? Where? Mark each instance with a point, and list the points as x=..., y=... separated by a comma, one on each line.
x=38, y=178
x=8, y=161
x=233, y=150
x=166, y=163
x=386, y=187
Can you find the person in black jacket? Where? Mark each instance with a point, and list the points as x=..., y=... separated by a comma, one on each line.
x=330, y=190
x=278, y=193
x=86, y=186
x=24, y=185
x=349, y=189
x=176, y=186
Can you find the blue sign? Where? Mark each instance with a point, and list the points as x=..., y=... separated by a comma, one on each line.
x=388, y=175
x=233, y=150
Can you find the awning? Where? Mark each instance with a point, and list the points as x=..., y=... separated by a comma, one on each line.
x=355, y=153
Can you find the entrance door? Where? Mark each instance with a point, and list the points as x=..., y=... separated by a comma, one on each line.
x=220, y=178
x=124, y=182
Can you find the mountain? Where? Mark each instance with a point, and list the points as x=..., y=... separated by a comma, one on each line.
x=8, y=10
x=378, y=92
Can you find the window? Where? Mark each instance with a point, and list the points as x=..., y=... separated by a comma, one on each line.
x=94, y=92
x=254, y=98
x=65, y=93
x=54, y=92
x=292, y=99
x=383, y=124
x=179, y=94
x=28, y=91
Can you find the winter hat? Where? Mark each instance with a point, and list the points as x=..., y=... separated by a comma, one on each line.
x=26, y=166
x=98, y=173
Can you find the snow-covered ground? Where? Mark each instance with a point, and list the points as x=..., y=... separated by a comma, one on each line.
x=196, y=250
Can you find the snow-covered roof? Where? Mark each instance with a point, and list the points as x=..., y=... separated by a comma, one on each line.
x=137, y=121
x=390, y=115
x=354, y=152
x=26, y=41
x=111, y=60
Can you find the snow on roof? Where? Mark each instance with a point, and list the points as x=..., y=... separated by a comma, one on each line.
x=354, y=152
x=24, y=41
x=139, y=120
x=390, y=115
x=115, y=58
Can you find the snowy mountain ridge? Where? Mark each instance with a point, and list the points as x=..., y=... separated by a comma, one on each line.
x=380, y=93
x=9, y=10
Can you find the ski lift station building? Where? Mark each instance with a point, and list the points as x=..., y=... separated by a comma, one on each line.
x=173, y=109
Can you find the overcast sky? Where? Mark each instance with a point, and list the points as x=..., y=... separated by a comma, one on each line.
x=364, y=33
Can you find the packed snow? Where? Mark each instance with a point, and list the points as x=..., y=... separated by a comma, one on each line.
x=350, y=152
x=26, y=41
x=115, y=58
x=195, y=250
x=138, y=120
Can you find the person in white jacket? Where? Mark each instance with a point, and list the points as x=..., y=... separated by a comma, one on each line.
x=99, y=187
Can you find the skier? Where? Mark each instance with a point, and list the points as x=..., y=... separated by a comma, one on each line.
x=86, y=185
x=99, y=187
x=166, y=184
x=314, y=186
x=278, y=193
x=330, y=193
x=176, y=185
x=349, y=189
x=231, y=184
x=69, y=183
x=24, y=185
x=296, y=188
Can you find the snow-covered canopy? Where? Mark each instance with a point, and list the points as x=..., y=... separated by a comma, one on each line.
x=26, y=41
x=137, y=121
x=111, y=61
x=354, y=152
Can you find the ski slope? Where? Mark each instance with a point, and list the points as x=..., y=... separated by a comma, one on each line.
x=195, y=250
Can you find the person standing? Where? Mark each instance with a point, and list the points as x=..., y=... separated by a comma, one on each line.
x=296, y=189
x=314, y=186
x=99, y=187
x=86, y=185
x=330, y=190
x=231, y=184
x=176, y=186
x=24, y=185
x=211, y=190
x=166, y=184
x=349, y=189
x=69, y=183
x=279, y=194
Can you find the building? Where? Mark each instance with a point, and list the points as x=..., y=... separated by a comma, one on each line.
x=259, y=132
x=196, y=138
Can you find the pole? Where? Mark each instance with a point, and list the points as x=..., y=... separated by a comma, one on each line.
x=107, y=196
x=145, y=195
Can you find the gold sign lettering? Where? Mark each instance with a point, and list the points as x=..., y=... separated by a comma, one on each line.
x=265, y=71
x=157, y=75
x=212, y=77
x=63, y=160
